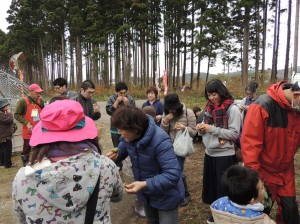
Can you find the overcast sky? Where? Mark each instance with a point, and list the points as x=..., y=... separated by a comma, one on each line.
x=4, y=6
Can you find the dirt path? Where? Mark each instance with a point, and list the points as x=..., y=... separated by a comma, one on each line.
x=122, y=212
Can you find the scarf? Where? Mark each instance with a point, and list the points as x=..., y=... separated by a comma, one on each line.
x=216, y=114
x=62, y=150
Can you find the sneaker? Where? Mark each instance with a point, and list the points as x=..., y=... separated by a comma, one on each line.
x=139, y=208
x=210, y=220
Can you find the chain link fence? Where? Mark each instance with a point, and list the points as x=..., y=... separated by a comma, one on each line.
x=11, y=88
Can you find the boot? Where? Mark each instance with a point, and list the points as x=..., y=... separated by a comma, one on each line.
x=139, y=207
x=25, y=159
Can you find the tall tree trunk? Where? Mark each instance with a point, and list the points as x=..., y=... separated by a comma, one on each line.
x=246, y=47
x=105, y=69
x=257, y=46
x=117, y=60
x=178, y=62
x=264, y=40
x=147, y=63
x=288, y=41
x=184, y=58
x=199, y=61
x=43, y=71
x=170, y=63
x=275, y=42
x=135, y=61
x=192, y=45
x=143, y=60
x=63, y=58
x=296, y=37
x=111, y=65
x=95, y=65
x=72, y=75
x=78, y=60
x=52, y=77
x=207, y=73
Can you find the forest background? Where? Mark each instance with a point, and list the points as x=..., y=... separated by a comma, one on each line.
x=109, y=41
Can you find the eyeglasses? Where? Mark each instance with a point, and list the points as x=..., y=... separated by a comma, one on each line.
x=57, y=87
x=91, y=92
x=122, y=92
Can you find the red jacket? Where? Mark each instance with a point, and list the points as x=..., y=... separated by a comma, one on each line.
x=271, y=136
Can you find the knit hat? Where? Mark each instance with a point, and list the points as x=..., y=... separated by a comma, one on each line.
x=3, y=103
x=172, y=102
x=35, y=87
x=63, y=120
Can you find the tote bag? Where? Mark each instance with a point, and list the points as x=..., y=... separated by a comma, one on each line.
x=183, y=143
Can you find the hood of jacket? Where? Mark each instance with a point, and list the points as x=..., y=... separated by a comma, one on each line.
x=276, y=93
x=68, y=183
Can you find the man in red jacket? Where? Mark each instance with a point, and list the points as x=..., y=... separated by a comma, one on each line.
x=270, y=139
x=27, y=113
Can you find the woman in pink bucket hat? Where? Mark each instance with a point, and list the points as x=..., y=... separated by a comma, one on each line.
x=67, y=179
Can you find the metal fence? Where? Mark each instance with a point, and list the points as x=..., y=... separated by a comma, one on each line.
x=11, y=88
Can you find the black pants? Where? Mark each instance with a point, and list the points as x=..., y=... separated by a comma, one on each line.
x=5, y=153
x=115, y=138
x=289, y=210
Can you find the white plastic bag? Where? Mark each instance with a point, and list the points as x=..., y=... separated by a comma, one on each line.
x=183, y=143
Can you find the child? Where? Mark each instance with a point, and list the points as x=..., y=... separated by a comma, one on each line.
x=245, y=192
x=199, y=118
x=199, y=114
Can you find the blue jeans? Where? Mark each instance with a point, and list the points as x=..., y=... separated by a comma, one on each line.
x=181, y=165
x=181, y=162
x=157, y=216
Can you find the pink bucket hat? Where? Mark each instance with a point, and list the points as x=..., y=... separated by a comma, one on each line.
x=63, y=120
x=35, y=87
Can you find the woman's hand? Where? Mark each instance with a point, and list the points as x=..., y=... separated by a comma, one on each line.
x=112, y=155
x=203, y=127
x=135, y=186
x=168, y=118
x=179, y=126
x=158, y=118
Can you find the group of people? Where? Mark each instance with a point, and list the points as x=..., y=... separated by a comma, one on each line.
x=61, y=174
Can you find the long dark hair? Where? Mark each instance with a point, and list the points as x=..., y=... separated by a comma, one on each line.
x=216, y=86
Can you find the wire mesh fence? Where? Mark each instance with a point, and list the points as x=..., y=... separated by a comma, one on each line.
x=12, y=89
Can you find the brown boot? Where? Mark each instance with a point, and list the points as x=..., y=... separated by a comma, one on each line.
x=139, y=207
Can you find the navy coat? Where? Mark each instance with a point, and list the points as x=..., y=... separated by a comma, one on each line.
x=154, y=161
